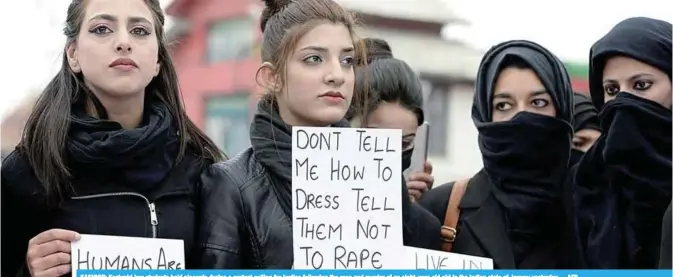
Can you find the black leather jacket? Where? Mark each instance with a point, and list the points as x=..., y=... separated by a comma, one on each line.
x=245, y=226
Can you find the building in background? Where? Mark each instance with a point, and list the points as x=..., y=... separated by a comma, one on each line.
x=214, y=45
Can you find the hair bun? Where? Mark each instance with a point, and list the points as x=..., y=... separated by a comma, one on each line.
x=272, y=7
x=377, y=49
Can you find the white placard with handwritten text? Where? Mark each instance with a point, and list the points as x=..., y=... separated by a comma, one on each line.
x=419, y=258
x=115, y=252
x=346, y=198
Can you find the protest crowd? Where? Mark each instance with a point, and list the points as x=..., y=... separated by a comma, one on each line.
x=568, y=182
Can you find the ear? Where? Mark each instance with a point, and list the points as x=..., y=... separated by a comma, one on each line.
x=71, y=54
x=157, y=68
x=267, y=78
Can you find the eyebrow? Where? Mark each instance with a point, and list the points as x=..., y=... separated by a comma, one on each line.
x=108, y=17
x=409, y=135
x=507, y=95
x=634, y=77
x=325, y=50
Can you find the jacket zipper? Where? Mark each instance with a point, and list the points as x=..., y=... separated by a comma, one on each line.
x=154, y=221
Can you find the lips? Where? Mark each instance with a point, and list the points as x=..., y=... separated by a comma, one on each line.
x=335, y=94
x=123, y=62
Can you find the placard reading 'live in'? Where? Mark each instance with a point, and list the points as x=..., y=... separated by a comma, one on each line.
x=346, y=198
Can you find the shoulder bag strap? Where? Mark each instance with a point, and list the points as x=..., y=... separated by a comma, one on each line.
x=449, y=231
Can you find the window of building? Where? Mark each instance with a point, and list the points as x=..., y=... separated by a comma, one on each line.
x=230, y=40
x=227, y=122
x=437, y=114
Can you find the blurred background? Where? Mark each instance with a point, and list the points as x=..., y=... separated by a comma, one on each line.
x=216, y=51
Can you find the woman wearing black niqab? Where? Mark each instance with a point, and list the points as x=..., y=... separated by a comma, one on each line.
x=623, y=183
x=586, y=126
x=513, y=210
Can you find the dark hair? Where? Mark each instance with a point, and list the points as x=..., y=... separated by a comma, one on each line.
x=46, y=132
x=388, y=80
x=284, y=22
x=376, y=48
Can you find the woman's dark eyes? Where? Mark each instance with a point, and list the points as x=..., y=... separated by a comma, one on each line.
x=502, y=106
x=611, y=89
x=642, y=85
x=102, y=30
x=140, y=32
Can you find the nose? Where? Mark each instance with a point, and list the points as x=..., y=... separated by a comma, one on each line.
x=123, y=43
x=523, y=107
x=336, y=75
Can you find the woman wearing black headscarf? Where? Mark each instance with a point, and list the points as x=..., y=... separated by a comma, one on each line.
x=623, y=183
x=513, y=210
x=586, y=126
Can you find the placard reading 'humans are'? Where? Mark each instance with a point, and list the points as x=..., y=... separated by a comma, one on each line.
x=436, y=260
x=114, y=252
x=346, y=198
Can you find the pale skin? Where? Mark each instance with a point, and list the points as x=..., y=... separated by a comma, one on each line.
x=111, y=29
x=518, y=90
x=394, y=116
x=322, y=62
x=637, y=78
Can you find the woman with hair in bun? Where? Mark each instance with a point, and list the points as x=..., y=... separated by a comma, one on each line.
x=394, y=101
x=586, y=127
x=623, y=183
x=515, y=210
x=308, y=49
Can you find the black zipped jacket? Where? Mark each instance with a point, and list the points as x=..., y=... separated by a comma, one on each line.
x=97, y=206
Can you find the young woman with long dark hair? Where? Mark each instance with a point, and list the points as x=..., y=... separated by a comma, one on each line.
x=108, y=148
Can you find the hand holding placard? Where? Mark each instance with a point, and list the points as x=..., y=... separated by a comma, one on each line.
x=346, y=197
x=49, y=252
x=115, y=252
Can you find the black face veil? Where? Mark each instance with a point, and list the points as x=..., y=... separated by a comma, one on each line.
x=526, y=158
x=623, y=183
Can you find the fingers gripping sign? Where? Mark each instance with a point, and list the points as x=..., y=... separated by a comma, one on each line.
x=49, y=253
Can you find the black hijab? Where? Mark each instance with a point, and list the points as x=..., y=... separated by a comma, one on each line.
x=526, y=158
x=586, y=117
x=623, y=183
x=585, y=113
x=139, y=158
x=644, y=39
